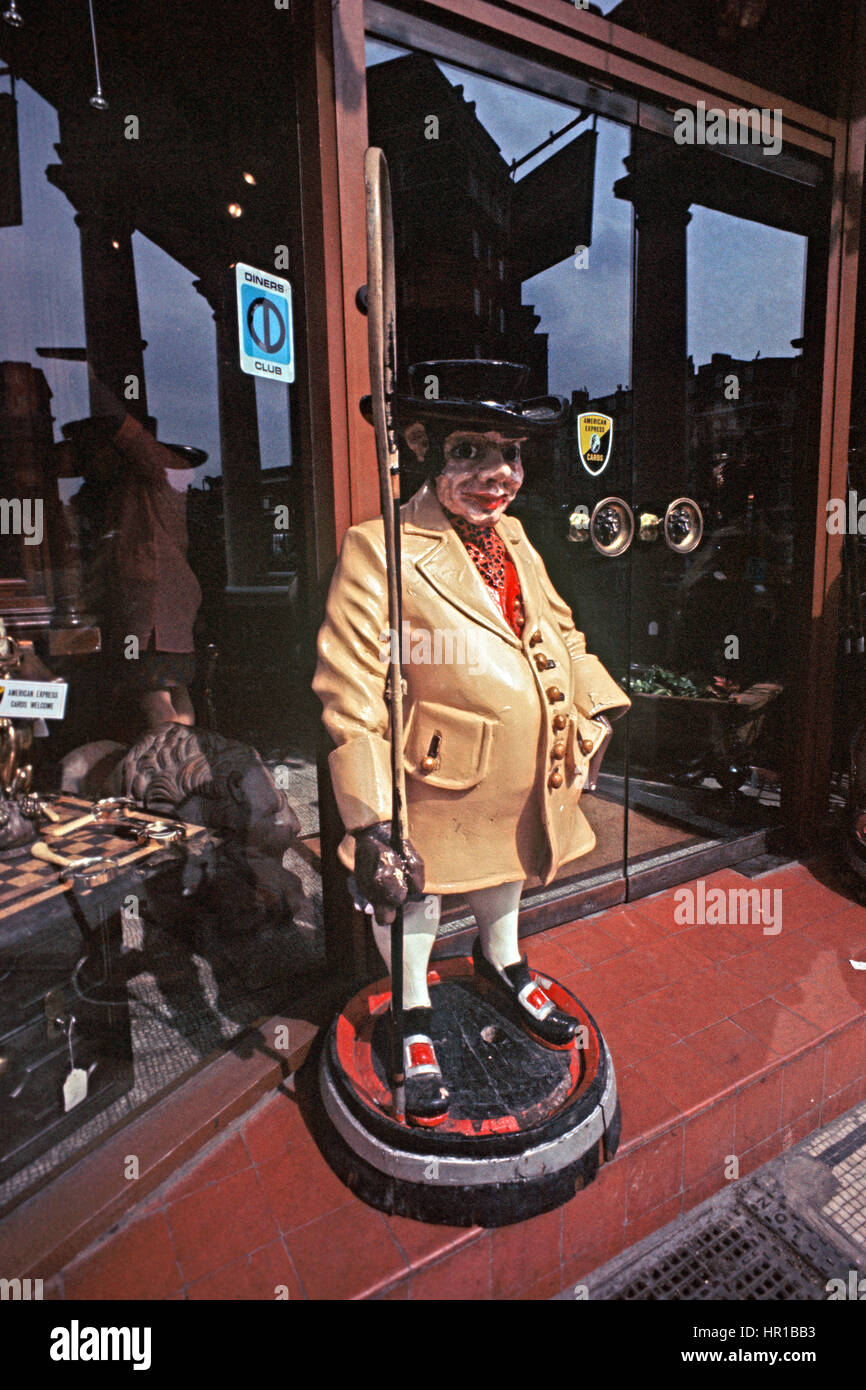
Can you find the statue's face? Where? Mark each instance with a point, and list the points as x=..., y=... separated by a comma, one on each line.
x=482, y=475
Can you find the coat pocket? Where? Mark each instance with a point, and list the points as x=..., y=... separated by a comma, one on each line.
x=581, y=732
x=446, y=747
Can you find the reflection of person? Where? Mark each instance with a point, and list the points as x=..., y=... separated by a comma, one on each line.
x=496, y=752
x=150, y=596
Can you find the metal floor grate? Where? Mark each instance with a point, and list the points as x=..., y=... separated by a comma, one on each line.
x=778, y=1236
x=729, y=1255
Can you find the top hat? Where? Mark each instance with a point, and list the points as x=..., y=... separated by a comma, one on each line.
x=473, y=391
x=87, y=436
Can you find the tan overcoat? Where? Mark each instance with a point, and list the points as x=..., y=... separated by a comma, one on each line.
x=500, y=802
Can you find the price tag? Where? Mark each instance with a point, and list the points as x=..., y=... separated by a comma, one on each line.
x=74, y=1088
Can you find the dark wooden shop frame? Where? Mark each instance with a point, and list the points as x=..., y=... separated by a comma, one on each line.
x=77, y=1205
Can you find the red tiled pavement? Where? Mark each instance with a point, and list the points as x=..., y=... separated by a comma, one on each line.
x=802, y=1083
x=846, y=1058
x=686, y=1079
x=138, y=1262
x=645, y=1108
x=593, y=1224
x=759, y=1109
x=350, y=1253
x=731, y=1050
x=224, y=1162
x=709, y=1141
x=590, y=944
x=220, y=1223
x=464, y=1274
x=728, y=1043
x=267, y=1274
x=523, y=1254
x=783, y=1031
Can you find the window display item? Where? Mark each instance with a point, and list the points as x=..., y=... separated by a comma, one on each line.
x=190, y=774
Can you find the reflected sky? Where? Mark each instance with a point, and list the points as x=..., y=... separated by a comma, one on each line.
x=745, y=283
x=745, y=280
x=42, y=306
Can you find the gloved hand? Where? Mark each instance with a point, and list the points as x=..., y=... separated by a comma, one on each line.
x=383, y=876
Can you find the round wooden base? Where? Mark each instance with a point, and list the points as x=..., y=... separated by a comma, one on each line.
x=526, y=1128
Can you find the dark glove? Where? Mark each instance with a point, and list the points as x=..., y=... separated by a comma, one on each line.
x=383, y=876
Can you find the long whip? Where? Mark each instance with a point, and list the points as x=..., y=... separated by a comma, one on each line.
x=382, y=341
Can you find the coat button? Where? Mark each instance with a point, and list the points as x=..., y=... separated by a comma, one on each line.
x=559, y=722
x=428, y=764
x=558, y=749
x=554, y=781
x=543, y=662
x=586, y=746
x=553, y=694
x=535, y=638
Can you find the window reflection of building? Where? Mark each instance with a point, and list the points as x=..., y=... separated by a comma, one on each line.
x=453, y=198
x=122, y=232
x=742, y=433
x=742, y=421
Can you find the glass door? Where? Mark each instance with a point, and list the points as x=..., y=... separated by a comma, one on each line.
x=723, y=451
x=493, y=262
x=671, y=292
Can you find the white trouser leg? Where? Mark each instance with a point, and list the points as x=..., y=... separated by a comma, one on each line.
x=420, y=925
x=496, y=910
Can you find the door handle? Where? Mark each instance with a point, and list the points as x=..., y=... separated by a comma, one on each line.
x=611, y=526
x=683, y=525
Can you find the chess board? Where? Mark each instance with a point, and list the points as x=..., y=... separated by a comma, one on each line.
x=26, y=883
x=61, y=954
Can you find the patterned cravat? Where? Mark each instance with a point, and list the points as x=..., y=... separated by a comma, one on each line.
x=486, y=550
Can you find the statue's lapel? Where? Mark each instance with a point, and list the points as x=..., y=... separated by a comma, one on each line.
x=446, y=565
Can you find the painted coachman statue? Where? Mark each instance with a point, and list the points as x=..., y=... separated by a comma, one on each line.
x=505, y=711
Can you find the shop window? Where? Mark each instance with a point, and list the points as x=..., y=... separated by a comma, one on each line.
x=167, y=586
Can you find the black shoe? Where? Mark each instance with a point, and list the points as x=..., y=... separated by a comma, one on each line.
x=427, y=1099
x=526, y=1002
